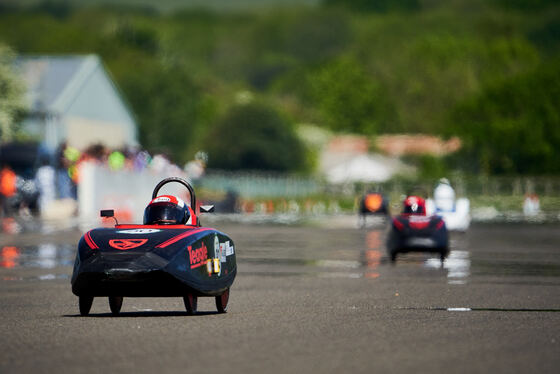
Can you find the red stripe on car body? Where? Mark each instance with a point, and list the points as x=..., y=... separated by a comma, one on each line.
x=90, y=241
x=181, y=236
x=398, y=224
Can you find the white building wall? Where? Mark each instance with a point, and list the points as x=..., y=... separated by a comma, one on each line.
x=127, y=192
x=100, y=111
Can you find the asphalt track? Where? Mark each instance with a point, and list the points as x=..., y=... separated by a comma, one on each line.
x=306, y=299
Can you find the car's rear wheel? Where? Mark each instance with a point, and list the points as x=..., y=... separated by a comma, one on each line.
x=115, y=303
x=191, y=303
x=85, y=304
x=222, y=301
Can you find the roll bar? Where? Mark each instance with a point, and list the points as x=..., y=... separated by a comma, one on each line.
x=178, y=180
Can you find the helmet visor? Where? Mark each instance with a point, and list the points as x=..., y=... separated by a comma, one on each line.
x=167, y=214
x=413, y=209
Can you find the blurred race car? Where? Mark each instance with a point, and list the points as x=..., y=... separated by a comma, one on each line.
x=412, y=231
x=169, y=255
x=373, y=203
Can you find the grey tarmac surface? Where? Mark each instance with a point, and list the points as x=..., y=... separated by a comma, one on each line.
x=306, y=299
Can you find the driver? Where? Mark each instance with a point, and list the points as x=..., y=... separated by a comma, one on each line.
x=168, y=210
x=444, y=196
x=414, y=205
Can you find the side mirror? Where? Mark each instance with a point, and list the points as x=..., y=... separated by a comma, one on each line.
x=207, y=209
x=107, y=213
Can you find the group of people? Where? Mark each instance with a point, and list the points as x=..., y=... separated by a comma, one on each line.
x=58, y=175
x=69, y=160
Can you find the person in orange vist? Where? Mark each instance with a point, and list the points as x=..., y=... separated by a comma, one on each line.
x=7, y=188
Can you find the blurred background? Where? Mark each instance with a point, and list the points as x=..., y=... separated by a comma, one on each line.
x=278, y=109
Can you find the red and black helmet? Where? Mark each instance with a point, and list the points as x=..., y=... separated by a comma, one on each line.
x=414, y=205
x=166, y=210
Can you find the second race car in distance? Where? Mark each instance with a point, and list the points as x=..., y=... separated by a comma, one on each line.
x=373, y=204
x=413, y=231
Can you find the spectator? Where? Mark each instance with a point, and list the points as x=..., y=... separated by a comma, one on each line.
x=531, y=205
x=195, y=168
x=116, y=161
x=66, y=169
x=8, y=189
x=141, y=161
x=45, y=181
x=444, y=196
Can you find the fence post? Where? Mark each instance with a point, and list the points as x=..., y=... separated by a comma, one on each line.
x=516, y=188
x=548, y=189
x=529, y=186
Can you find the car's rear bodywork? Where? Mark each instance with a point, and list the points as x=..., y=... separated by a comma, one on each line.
x=417, y=233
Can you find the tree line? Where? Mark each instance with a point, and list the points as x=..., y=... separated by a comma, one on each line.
x=237, y=83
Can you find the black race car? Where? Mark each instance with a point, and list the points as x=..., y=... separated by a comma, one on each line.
x=412, y=231
x=169, y=255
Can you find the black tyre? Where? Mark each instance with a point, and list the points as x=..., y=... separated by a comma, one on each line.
x=191, y=303
x=85, y=304
x=222, y=302
x=392, y=245
x=115, y=303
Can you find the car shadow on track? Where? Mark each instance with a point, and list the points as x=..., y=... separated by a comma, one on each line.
x=139, y=314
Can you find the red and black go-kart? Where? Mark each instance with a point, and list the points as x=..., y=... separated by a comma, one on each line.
x=170, y=255
x=412, y=231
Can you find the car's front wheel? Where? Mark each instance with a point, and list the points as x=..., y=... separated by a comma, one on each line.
x=85, y=304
